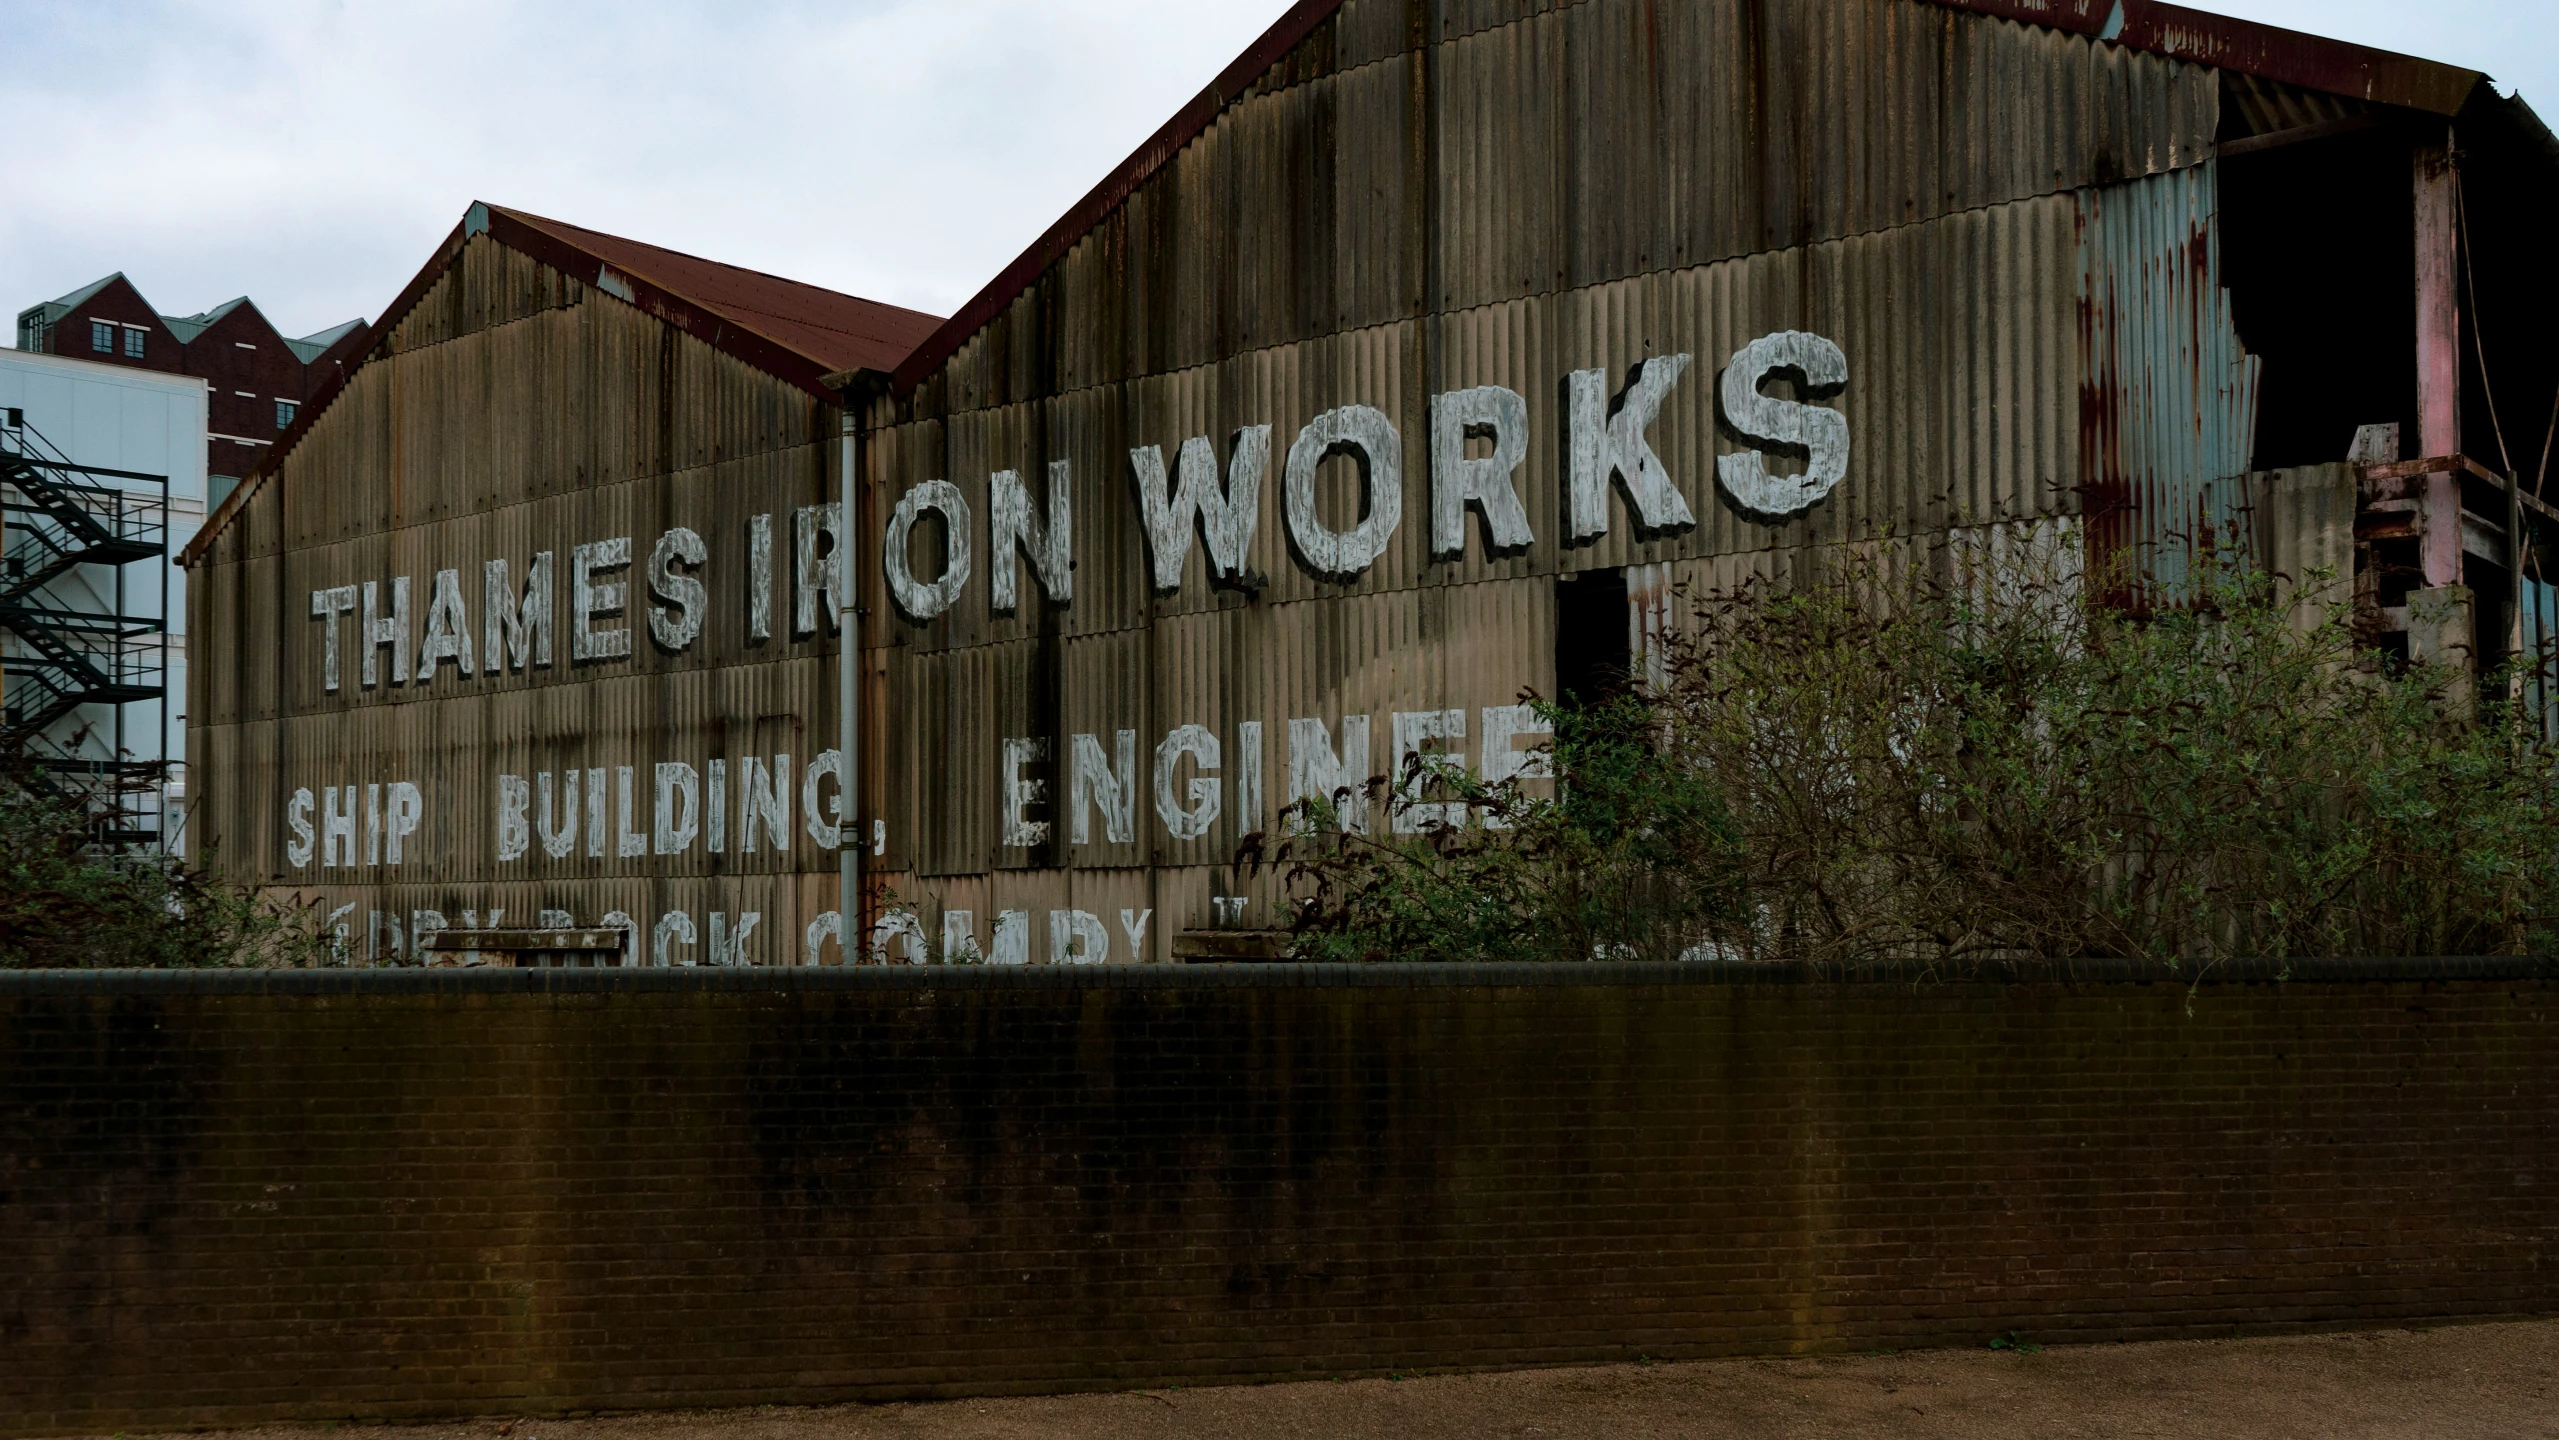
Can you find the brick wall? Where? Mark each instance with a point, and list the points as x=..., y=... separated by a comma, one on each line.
x=233, y=1197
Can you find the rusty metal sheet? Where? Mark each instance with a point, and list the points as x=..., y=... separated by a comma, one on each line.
x=2169, y=409
x=1609, y=139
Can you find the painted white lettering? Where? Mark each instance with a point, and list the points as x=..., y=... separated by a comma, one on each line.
x=562, y=842
x=518, y=629
x=817, y=583
x=1096, y=781
x=1504, y=726
x=448, y=629
x=1790, y=426
x=903, y=927
x=677, y=810
x=630, y=928
x=764, y=799
x=676, y=621
x=595, y=813
x=825, y=823
x=728, y=946
x=373, y=824
x=919, y=600
x=673, y=928
x=297, y=814
x=1486, y=412
x=515, y=823
x=407, y=810
x=1368, y=437
x=378, y=630
x=959, y=938
x=591, y=599
x=1249, y=782
x=829, y=925
x=1601, y=445
x=1339, y=779
x=1077, y=937
x=555, y=919
x=715, y=807
x=629, y=842
x=423, y=923
x=1133, y=925
x=1022, y=791
x=337, y=827
x=1416, y=765
x=1012, y=938
x=1017, y=532
x=1187, y=822
x=759, y=578
x=1225, y=516
x=326, y=606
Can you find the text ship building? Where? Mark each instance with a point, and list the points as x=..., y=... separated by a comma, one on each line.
x=530, y=619
x=1410, y=369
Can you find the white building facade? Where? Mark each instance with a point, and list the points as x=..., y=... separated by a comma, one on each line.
x=125, y=448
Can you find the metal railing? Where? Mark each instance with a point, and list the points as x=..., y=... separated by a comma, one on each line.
x=76, y=631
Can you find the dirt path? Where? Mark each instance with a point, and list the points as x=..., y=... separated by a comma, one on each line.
x=2477, y=1380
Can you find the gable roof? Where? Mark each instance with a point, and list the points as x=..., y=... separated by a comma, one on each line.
x=57, y=308
x=834, y=330
x=797, y=333
x=2310, y=61
x=316, y=344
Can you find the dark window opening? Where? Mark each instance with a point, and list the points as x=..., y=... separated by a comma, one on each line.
x=1594, y=649
x=133, y=342
x=2319, y=252
x=284, y=414
x=102, y=337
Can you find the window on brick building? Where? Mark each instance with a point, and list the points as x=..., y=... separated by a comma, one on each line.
x=102, y=336
x=284, y=414
x=133, y=341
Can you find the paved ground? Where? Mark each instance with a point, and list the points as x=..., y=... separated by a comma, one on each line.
x=2477, y=1380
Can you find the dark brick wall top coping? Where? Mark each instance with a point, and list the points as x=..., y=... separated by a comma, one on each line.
x=1239, y=977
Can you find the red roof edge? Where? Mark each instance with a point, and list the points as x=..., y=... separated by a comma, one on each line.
x=2310, y=61
x=522, y=235
x=1159, y=150
x=319, y=401
x=2313, y=62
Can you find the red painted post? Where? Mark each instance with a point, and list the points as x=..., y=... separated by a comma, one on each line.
x=2438, y=360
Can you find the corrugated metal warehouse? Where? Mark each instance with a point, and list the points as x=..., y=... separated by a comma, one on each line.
x=1408, y=370
x=516, y=609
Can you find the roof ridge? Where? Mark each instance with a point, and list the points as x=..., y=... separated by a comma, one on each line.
x=547, y=223
x=2197, y=36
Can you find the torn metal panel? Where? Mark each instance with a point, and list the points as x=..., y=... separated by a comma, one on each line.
x=2168, y=405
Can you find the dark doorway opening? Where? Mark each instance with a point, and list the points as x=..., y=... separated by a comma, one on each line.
x=2318, y=249
x=1594, y=645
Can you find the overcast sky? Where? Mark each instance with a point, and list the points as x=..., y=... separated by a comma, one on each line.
x=310, y=153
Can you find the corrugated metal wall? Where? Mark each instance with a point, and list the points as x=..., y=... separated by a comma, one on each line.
x=2170, y=418
x=516, y=411
x=1984, y=216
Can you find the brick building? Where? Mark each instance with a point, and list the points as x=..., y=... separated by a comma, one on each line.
x=256, y=378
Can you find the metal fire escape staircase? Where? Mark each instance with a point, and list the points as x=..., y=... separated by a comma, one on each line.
x=66, y=649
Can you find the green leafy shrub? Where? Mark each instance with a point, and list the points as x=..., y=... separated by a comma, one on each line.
x=1890, y=767
x=67, y=902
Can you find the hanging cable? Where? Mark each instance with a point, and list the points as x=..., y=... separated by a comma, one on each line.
x=2478, y=340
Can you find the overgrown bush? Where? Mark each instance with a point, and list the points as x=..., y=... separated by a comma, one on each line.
x=1883, y=767
x=67, y=902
